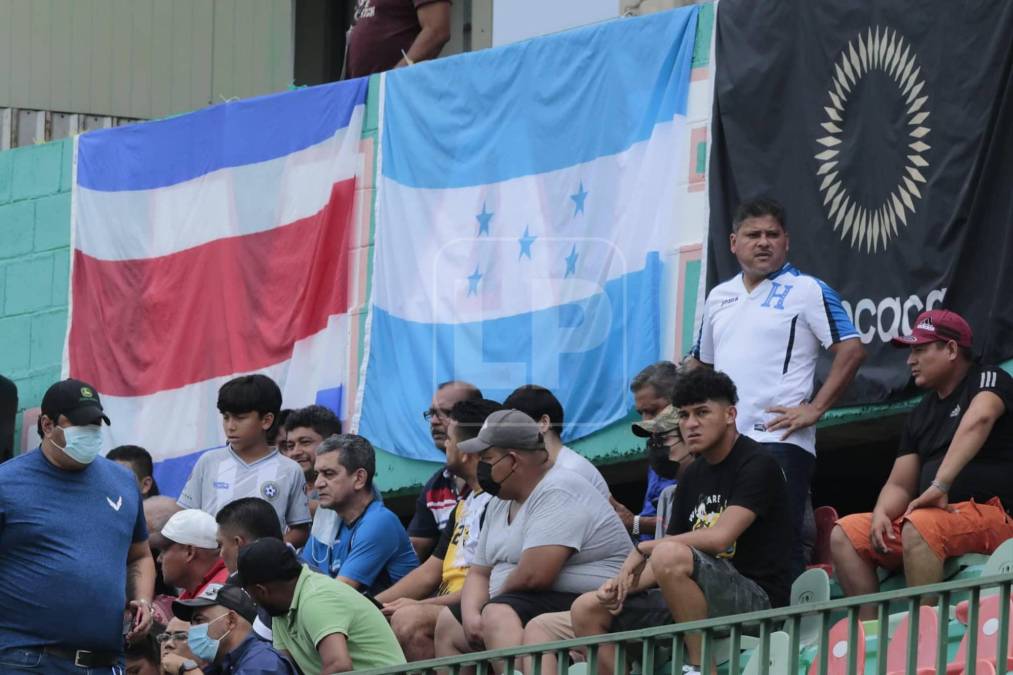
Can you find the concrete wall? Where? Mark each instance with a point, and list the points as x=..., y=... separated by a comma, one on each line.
x=34, y=263
x=141, y=58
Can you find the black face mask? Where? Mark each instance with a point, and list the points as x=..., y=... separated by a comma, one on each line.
x=484, y=474
x=658, y=458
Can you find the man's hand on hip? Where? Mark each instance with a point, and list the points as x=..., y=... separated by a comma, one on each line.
x=794, y=418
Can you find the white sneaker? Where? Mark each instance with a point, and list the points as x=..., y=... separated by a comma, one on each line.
x=690, y=670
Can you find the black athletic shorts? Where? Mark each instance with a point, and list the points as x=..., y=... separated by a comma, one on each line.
x=528, y=604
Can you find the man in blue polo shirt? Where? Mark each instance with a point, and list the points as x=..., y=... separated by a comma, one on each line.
x=355, y=538
x=87, y=549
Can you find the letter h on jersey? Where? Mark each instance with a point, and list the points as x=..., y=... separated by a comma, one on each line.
x=777, y=295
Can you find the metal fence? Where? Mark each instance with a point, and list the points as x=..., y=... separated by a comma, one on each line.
x=971, y=617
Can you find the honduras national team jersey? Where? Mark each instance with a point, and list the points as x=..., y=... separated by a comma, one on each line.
x=767, y=341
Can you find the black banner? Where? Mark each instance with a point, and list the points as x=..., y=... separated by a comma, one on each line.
x=885, y=127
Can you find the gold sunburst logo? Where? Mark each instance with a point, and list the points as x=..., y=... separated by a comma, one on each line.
x=873, y=226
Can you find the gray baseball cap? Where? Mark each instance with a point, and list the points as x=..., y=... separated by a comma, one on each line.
x=505, y=429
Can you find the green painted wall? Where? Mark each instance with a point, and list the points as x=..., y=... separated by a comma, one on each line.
x=34, y=264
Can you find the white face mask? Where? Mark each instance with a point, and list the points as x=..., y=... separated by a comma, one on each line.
x=83, y=443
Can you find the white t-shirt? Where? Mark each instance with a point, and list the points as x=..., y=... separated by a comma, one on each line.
x=582, y=466
x=560, y=511
x=767, y=341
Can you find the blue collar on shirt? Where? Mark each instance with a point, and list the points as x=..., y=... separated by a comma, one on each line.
x=785, y=268
x=252, y=653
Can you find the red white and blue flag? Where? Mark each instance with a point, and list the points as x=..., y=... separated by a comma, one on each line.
x=211, y=245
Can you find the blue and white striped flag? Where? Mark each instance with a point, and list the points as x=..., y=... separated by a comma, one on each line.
x=525, y=198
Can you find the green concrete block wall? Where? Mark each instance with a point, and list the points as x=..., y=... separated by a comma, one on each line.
x=34, y=267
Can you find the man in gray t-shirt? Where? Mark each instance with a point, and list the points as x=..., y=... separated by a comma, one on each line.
x=549, y=537
x=561, y=511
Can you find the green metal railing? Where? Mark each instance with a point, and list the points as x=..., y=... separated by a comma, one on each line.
x=729, y=642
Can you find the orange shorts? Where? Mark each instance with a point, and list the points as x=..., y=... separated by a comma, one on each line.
x=969, y=528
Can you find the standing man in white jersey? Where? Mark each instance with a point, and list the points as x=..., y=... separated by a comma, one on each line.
x=247, y=466
x=764, y=328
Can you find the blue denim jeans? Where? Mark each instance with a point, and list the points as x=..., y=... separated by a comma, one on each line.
x=35, y=660
x=798, y=466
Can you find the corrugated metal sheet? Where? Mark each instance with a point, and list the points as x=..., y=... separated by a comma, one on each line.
x=141, y=58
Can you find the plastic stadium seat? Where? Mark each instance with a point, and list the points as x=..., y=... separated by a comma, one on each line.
x=812, y=586
x=981, y=667
x=988, y=639
x=1000, y=562
x=779, y=655
x=928, y=639
x=837, y=659
x=826, y=517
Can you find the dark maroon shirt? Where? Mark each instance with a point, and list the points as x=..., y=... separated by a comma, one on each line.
x=382, y=29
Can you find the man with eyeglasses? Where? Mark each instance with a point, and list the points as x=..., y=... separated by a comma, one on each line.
x=441, y=492
x=175, y=650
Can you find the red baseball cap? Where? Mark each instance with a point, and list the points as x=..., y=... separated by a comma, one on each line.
x=937, y=325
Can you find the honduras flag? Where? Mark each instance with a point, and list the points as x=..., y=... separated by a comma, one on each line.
x=207, y=246
x=525, y=196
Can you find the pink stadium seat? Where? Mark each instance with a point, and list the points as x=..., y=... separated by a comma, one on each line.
x=825, y=517
x=896, y=655
x=988, y=639
x=837, y=659
x=981, y=667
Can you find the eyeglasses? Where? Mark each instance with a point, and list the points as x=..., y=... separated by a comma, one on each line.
x=660, y=441
x=438, y=413
x=175, y=636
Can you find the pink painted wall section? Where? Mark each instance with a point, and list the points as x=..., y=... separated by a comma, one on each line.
x=698, y=159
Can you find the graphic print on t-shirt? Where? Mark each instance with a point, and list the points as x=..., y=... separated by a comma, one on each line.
x=706, y=514
x=364, y=9
x=459, y=540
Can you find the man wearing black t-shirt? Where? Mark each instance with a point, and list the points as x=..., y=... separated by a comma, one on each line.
x=725, y=548
x=952, y=482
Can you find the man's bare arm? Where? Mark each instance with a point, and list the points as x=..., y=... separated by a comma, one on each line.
x=434, y=18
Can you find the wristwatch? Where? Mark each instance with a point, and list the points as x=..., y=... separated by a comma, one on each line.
x=636, y=526
x=187, y=666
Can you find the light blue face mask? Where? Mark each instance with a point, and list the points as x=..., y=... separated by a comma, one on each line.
x=203, y=646
x=83, y=443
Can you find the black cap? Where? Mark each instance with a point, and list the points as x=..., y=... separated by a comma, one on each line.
x=227, y=595
x=76, y=400
x=266, y=560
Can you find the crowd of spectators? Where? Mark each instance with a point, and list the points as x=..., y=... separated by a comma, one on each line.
x=281, y=556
